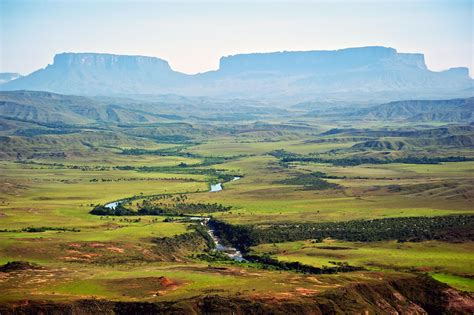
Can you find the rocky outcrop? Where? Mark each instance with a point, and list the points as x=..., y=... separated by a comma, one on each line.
x=99, y=74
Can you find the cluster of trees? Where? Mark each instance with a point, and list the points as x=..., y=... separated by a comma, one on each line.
x=312, y=181
x=181, y=209
x=178, y=205
x=182, y=245
x=67, y=166
x=287, y=157
x=31, y=229
x=174, y=151
x=214, y=175
x=119, y=210
x=265, y=261
x=31, y=132
x=444, y=228
x=147, y=208
x=178, y=151
x=353, y=161
x=171, y=138
x=192, y=208
x=134, y=179
x=217, y=175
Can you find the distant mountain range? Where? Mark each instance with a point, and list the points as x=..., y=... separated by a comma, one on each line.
x=352, y=72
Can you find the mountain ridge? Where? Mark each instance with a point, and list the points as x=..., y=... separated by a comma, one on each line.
x=9, y=76
x=353, y=71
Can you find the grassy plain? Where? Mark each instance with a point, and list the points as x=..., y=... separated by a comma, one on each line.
x=115, y=257
x=451, y=262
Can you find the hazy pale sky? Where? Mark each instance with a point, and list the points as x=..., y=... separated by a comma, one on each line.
x=193, y=35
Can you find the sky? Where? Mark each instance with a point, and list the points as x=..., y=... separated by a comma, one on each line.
x=193, y=35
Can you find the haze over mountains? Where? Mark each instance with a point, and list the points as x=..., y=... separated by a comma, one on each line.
x=8, y=76
x=48, y=108
x=380, y=72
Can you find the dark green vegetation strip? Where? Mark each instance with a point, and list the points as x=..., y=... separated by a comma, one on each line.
x=443, y=228
x=267, y=262
x=162, y=204
x=148, y=209
x=216, y=174
x=31, y=229
x=311, y=181
x=287, y=157
x=178, y=151
x=201, y=240
x=182, y=245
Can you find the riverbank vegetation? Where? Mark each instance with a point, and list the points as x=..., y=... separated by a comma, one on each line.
x=412, y=229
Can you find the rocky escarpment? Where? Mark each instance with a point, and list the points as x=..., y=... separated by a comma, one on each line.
x=93, y=73
x=405, y=295
x=352, y=71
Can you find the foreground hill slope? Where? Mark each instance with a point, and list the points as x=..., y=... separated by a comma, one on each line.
x=406, y=295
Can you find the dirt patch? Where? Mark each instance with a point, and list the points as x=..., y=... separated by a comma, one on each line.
x=106, y=252
x=305, y=291
x=145, y=287
x=230, y=271
x=165, y=282
x=116, y=249
x=460, y=302
x=95, y=245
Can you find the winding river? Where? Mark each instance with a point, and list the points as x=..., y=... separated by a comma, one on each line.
x=231, y=252
x=218, y=187
x=113, y=205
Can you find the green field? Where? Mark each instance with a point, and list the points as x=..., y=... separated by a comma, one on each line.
x=81, y=255
x=452, y=262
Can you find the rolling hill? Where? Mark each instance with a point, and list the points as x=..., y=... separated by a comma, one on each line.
x=453, y=110
x=51, y=108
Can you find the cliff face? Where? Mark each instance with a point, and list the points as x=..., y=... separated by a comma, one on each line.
x=409, y=295
x=100, y=74
x=352, y=71
x=92, y=61
x=320, y=62
x=367, y=69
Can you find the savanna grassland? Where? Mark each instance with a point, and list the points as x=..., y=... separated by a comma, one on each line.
x=305, y=198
